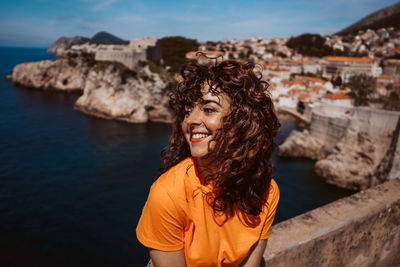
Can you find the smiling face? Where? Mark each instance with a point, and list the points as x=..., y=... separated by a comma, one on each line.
x=203, y=119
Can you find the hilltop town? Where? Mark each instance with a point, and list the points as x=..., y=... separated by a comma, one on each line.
x=296, y=79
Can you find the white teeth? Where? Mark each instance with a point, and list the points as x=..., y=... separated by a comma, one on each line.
x=198, y=136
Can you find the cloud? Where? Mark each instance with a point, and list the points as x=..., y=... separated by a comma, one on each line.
x=102, y=5
x=207, y=20
x=67, y=17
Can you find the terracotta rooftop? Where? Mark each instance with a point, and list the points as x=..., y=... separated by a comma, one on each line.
x=393, y=61
x=336, y=96
x=387, y=77
x=280, y=69
x=193, y=53
x=349, y=59
x=308, y=62
x=296, y=82
x=316, y=88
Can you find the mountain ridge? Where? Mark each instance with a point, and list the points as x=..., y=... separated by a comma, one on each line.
x=102, y=37
x=382, y=18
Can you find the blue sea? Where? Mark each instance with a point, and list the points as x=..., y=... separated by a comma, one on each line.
x=72, y=186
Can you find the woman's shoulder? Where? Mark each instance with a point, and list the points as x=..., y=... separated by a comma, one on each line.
x=174, y=178
x=274, y=189
x=273, y=194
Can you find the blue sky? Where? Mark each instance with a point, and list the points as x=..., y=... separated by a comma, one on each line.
x=41, y=22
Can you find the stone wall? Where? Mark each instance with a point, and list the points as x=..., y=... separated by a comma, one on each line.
x=330, y=123
x=359, y=230
x=129, y=58
x=355, y=147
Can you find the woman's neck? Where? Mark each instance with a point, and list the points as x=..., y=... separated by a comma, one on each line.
x=205, y=169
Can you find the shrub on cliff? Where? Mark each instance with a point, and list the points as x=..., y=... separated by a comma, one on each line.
x=174, y=49
x=308, y=44
x=124, y=72
x=362, y=86
x=75, y=57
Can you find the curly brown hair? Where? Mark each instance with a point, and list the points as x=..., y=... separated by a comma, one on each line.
x=243, y=147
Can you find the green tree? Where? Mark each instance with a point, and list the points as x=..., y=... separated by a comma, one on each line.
x=308, y=44
x=362, y=86
x=174, y=49
x=337, y=81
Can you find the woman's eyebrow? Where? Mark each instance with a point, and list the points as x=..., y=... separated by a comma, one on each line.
x=207, y=101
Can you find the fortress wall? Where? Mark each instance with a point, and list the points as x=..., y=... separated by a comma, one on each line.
x=375, y=121
x=359, y=230
x=332, y=109
x=328, y=129
x=330, y=123
x=128, y=58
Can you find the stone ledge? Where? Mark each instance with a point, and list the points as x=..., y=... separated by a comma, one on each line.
x=359, y=230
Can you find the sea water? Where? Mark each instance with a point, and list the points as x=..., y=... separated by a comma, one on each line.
x=72, y=186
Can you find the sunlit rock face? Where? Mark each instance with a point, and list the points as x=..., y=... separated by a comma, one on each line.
x=110, y=90
x=128, y=96
x=352, y=161
x=63, y=74
x=354, y=148
x=302, y=145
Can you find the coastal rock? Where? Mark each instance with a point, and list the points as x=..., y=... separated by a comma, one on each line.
x=65, y=43
x=110, y=90
x=114, y=92
x=64, y=74
x=302, y=145
x=352, y=161
x=355, y=148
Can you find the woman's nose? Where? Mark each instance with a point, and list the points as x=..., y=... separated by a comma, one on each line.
x=194, y=117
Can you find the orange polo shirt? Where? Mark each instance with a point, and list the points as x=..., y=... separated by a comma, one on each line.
x=177, y=216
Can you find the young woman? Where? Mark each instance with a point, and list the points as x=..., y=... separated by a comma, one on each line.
x=215, y=200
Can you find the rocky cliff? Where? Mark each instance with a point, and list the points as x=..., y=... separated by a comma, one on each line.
x=62, y=74
x=302, y=145
x=132, y=97
x=110, y=90
x=353, y=160
x=64, y=43
x=349, y=145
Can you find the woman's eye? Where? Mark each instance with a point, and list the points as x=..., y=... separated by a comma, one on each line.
x=209, y=110
x=187, y=112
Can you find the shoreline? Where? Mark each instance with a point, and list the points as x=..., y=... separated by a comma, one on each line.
x=348, y=144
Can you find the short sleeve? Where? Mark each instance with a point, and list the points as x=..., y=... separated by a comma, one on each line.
x=271, y=206
x=161, y=224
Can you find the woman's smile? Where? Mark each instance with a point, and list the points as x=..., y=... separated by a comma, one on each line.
x=202, y=121
x=198, y=136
